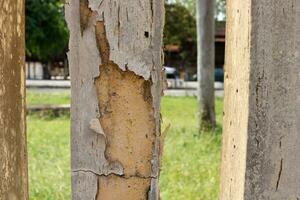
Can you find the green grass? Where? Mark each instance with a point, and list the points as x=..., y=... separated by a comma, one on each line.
x=33, y=97
x=49, y=158
x=190, y=166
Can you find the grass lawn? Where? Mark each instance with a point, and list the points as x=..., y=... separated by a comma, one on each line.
x=35, y=97
x=190, y=167
x=49, y=158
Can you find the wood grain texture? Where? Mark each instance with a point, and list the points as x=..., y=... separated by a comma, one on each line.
x=236, y=97
x=115, y=77
x=260, y=152
x=13, y=155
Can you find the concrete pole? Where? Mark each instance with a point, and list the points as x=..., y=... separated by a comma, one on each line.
x=13, y=155
x=206, y=63
x=115, y=62
x=261, y=139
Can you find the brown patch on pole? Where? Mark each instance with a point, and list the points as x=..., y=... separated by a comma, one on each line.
x=115, y=187
x=127, y=118
x=85, y=15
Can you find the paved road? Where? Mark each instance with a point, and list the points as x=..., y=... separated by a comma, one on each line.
x=67, y=84
x=57, y=86
x=171, y=92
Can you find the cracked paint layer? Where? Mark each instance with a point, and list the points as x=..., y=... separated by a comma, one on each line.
x=126, y=22
x=116, y=79
x=130, y=140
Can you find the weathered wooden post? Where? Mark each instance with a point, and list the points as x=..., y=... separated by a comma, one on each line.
x=115, y=62
x=261, y=141
x=13, y=155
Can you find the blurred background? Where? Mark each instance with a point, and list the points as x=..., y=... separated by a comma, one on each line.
x=190, y=166
x=47, y=41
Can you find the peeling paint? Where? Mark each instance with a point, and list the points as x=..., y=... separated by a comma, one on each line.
x=96, y=126
x=126, y=33
x=124, y=93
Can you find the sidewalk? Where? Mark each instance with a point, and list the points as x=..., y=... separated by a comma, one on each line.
x=48, y=84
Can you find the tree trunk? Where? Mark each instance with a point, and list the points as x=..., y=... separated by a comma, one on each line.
x=13, y=155
x=206, y=63
x=115, y=63
x=260, y=150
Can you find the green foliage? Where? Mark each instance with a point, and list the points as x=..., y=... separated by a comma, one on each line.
x=180, y=22
x=190, y=165
x=221, y=9
x=46, y=31
x=47, y=34
x=180, y=25
x=191, y=6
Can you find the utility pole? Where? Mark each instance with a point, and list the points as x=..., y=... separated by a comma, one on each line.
x=260, y=149
x=115, y=63
x=206, y=63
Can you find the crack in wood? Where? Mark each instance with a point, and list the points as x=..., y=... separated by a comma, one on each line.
x=279, y=174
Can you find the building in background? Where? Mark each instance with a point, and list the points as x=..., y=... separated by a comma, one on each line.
x=184, y=57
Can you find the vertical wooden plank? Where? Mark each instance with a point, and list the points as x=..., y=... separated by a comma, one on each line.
x=236, y=89
x=13, y=155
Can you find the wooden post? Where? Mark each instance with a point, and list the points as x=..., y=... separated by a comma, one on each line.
x=13, y=155
x=115, y=63
x=206, y=63
x=261, y=139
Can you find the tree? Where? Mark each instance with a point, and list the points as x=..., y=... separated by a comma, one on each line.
x=260, y=147
x=180, y=29
x=206, y=63
x=46, y=32
x=180, y=25
x=115, y=61
x=13, y=155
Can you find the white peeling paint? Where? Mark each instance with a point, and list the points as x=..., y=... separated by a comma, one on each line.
x=96, y=127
